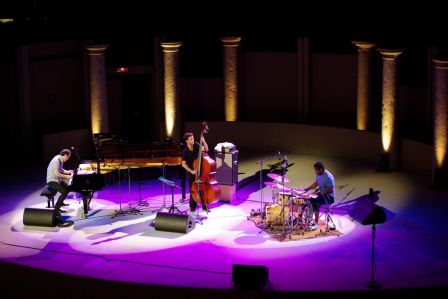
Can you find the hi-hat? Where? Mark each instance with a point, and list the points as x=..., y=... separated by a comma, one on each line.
x=307, y=196
x=277, y=185
x=297, y=191
x=278, y=178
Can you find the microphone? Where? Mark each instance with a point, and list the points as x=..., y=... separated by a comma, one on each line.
x=75, y=151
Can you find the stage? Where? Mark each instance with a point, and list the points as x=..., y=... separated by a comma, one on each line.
x=411, y=247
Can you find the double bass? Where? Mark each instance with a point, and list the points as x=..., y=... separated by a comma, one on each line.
x=205, y=189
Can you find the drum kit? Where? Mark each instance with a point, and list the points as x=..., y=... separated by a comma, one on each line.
x=288, y=207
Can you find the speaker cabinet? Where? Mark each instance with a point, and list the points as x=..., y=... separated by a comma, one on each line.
x=226, y=167
x=40, y=217
x=366, y=212
x=250, y=277
x=176, y=223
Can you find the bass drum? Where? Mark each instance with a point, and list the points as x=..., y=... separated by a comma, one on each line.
x=277, y=214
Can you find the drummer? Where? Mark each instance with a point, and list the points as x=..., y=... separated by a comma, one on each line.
x=324, y=186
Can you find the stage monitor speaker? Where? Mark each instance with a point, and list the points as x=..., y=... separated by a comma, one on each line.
x=366, y=212
x=176, y=223
x=39, y=217
x=249, y=277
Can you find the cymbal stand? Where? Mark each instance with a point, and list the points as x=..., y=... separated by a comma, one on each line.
x=288, y=221
x=261, y=187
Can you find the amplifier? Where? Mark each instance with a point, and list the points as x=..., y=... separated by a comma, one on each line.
x=226, y=167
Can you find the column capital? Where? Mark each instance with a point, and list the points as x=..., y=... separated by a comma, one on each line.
x=96, y=49
x=171, y=46
x=231, y=41
x=363, y=46
x=390, y=54
x=440, y=63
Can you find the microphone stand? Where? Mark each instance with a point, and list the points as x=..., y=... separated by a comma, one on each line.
x=373, y=284
x=261, y=179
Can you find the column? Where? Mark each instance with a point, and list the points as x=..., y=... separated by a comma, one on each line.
x=389, y=138
x=231, y=77
x=440, y=75
x=98, y=95
x=171, y=84
x=364, y=84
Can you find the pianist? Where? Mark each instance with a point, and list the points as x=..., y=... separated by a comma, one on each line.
x=57, y=177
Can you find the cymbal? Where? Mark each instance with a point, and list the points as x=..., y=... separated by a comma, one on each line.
x=277, y=185
x=278, y=178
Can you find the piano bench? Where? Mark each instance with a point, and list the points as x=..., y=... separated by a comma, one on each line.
x=49, y=193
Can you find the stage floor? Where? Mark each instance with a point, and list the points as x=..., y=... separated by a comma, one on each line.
x=411, y=247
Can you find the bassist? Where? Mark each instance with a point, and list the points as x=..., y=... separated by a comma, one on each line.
x=189, y=154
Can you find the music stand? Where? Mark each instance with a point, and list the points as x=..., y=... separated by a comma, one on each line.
x=172, y=185
x=131, y=209
x=120, y=211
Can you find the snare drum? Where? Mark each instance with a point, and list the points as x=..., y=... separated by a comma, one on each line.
x=283, y=198
x=274, y=215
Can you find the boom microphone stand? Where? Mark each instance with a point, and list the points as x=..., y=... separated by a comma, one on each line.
x=261, y=178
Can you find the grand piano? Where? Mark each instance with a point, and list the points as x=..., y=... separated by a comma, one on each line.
x=114, y=154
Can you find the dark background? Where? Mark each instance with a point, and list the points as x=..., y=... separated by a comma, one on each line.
x=132, y=27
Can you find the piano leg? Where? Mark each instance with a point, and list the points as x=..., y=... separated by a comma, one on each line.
x=86, y=198
x=183, y=181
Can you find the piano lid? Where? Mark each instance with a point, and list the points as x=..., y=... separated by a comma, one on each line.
x=116, y=153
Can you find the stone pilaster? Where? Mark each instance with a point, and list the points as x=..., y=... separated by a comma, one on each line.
x=171, y=85
x=440, y=75
x=98, y=95
x=364, y=84
x=231, y=77
x=389, y=130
